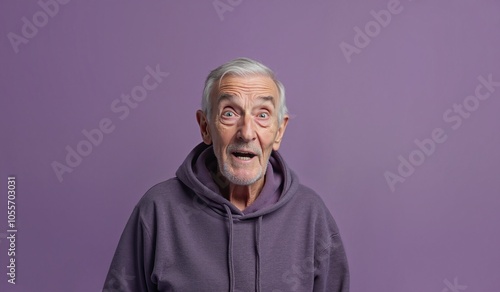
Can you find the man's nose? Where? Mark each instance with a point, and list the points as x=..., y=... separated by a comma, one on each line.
x=247, y=129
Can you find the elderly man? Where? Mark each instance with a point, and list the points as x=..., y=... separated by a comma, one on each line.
x=235, y=217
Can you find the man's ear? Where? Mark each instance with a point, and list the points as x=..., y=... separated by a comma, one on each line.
x=204, y=129
x=281, y=132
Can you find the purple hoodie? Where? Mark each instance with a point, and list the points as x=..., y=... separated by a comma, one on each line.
x=183, y=235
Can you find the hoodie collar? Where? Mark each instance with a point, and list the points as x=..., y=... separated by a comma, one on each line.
x=193, y=173
x=205, y=168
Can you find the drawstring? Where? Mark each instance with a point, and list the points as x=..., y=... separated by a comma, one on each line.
x=230, y=249
x=257, y=252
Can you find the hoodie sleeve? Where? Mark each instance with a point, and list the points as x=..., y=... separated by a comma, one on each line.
x=133, y=261
x=331, y=268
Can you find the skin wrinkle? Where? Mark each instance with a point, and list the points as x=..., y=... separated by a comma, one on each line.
x=264, y=99
x=239, y=122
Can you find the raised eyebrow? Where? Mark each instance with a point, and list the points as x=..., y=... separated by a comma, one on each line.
x=225, y=96
x=229, y=97
x=267, y=99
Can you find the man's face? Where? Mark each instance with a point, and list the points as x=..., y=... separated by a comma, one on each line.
x=243, y=126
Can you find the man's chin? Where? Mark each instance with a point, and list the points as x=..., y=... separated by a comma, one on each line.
x=241, y=179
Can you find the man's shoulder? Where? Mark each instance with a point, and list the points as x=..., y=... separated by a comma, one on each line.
x=307, y=203
x=169, y=190
x=308, y=196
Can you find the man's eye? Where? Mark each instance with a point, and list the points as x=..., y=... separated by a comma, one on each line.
x=228, y=114
x=263, y=115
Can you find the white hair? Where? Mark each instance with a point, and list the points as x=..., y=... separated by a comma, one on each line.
x=241, y=67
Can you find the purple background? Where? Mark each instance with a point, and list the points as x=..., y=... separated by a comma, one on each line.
x=350, y=122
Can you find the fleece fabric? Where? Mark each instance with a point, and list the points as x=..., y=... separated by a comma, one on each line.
x=183, y=235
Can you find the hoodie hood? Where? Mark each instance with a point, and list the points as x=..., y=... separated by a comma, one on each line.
x=280, y=186
x=199, y=172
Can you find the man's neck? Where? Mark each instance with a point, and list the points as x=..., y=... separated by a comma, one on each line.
x=240, y=196
x=244, y=196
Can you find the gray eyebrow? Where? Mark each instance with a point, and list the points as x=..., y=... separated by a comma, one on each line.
x=227, y=96
x=267, y=98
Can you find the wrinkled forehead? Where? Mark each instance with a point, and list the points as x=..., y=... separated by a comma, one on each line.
x=254, y=86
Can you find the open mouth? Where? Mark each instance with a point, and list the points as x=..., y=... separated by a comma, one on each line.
x=243, y=155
